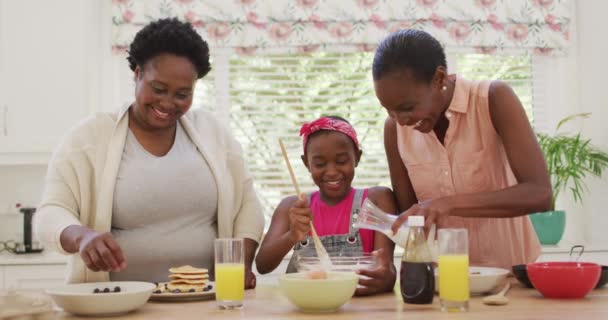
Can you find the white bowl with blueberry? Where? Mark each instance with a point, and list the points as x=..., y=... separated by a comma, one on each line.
x=102, y=298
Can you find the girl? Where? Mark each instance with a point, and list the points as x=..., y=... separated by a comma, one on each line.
x=331, y=153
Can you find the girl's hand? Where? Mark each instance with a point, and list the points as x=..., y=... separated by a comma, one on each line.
x=250, y=280
x=382, y=278
x=432, y=210
x=300, y=217
x=100, y=252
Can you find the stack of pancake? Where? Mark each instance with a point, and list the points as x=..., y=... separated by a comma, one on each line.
x=188, y=279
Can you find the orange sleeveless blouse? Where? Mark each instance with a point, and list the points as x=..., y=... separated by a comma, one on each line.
x=472, y=159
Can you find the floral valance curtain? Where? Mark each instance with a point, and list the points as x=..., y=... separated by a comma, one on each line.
x=307, y=25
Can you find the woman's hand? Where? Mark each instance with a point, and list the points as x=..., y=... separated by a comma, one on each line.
x=300, y=217
x=432, y=210
x=250, y=280
x=381, y=278
x=100, y=252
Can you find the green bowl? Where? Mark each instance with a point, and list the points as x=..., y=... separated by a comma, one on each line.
x=549, y=226
x=319, y=295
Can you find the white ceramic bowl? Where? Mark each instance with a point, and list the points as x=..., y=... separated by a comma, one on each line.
x=481, y=279
x=79, y=298
x=319, y=295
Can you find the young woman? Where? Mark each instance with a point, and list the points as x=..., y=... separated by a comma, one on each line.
x=462, y=153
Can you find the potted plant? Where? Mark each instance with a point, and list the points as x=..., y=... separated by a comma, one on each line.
x=570, y=158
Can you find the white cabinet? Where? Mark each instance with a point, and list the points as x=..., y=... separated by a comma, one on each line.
x=41, y=276
x=44, y=74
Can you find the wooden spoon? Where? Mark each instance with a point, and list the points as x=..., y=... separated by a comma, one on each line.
x=498, y=299
x=321, y=252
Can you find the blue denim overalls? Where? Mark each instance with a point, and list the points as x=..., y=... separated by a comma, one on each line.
x=343, y=245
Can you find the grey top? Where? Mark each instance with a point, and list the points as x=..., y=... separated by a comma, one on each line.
x=165, y=210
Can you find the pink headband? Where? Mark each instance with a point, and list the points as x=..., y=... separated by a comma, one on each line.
x=325, y=123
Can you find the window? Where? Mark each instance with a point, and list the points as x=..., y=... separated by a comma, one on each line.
x=516, y=70
x=266, y=97
x=272, y=95
x=205, y=95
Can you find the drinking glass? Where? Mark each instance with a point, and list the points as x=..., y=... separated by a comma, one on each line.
x=229, y=273
x=453, y=269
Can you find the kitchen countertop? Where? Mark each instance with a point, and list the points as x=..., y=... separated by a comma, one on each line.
x=45, y=257
x=266, y=302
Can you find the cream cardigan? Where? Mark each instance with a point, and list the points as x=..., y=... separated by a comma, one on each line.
x=82, y=173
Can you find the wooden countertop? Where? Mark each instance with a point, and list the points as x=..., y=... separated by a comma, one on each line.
x=267, y=302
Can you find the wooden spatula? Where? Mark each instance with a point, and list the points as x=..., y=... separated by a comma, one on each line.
x=321, y=252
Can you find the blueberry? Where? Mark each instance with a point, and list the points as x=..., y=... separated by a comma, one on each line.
x=117, y=289
x=96, y=290
x=176, y=291
x=106, y=290
x=157, y=291
x=192, y=290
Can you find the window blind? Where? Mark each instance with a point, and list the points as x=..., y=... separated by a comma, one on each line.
x=271, y=96
x=514, y=69
x=204, y=95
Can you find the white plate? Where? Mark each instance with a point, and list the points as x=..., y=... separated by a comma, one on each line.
x=481, y=279
x=80, y=299
x=185, y=296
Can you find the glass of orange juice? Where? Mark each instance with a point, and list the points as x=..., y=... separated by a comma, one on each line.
x=229, y=273
x=453, y=267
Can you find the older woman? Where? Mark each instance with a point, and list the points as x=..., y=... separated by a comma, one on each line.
x=136, y=192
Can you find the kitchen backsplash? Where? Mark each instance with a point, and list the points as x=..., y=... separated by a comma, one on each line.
x=18, y=184
x=11, y=227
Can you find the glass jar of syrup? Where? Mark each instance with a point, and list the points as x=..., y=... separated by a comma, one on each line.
x=417, y=273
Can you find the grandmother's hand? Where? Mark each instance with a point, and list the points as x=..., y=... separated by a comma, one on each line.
x=432, y=210
x=100, y=252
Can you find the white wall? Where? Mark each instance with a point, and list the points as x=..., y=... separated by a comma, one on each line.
x=83, y=85
x=557, y=92
x=593, y=97
x=19, y=184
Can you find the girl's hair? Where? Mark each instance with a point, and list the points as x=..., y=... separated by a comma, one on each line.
x=170, y=36
x=413, y=49
x=338, y=118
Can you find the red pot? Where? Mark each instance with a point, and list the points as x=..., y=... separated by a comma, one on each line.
x=564, y=279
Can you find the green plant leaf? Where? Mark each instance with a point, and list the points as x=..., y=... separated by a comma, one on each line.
x=571, y=117
x=570, y=158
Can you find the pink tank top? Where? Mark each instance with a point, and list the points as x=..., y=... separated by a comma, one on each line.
x=334, y=220
x=472, y=160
